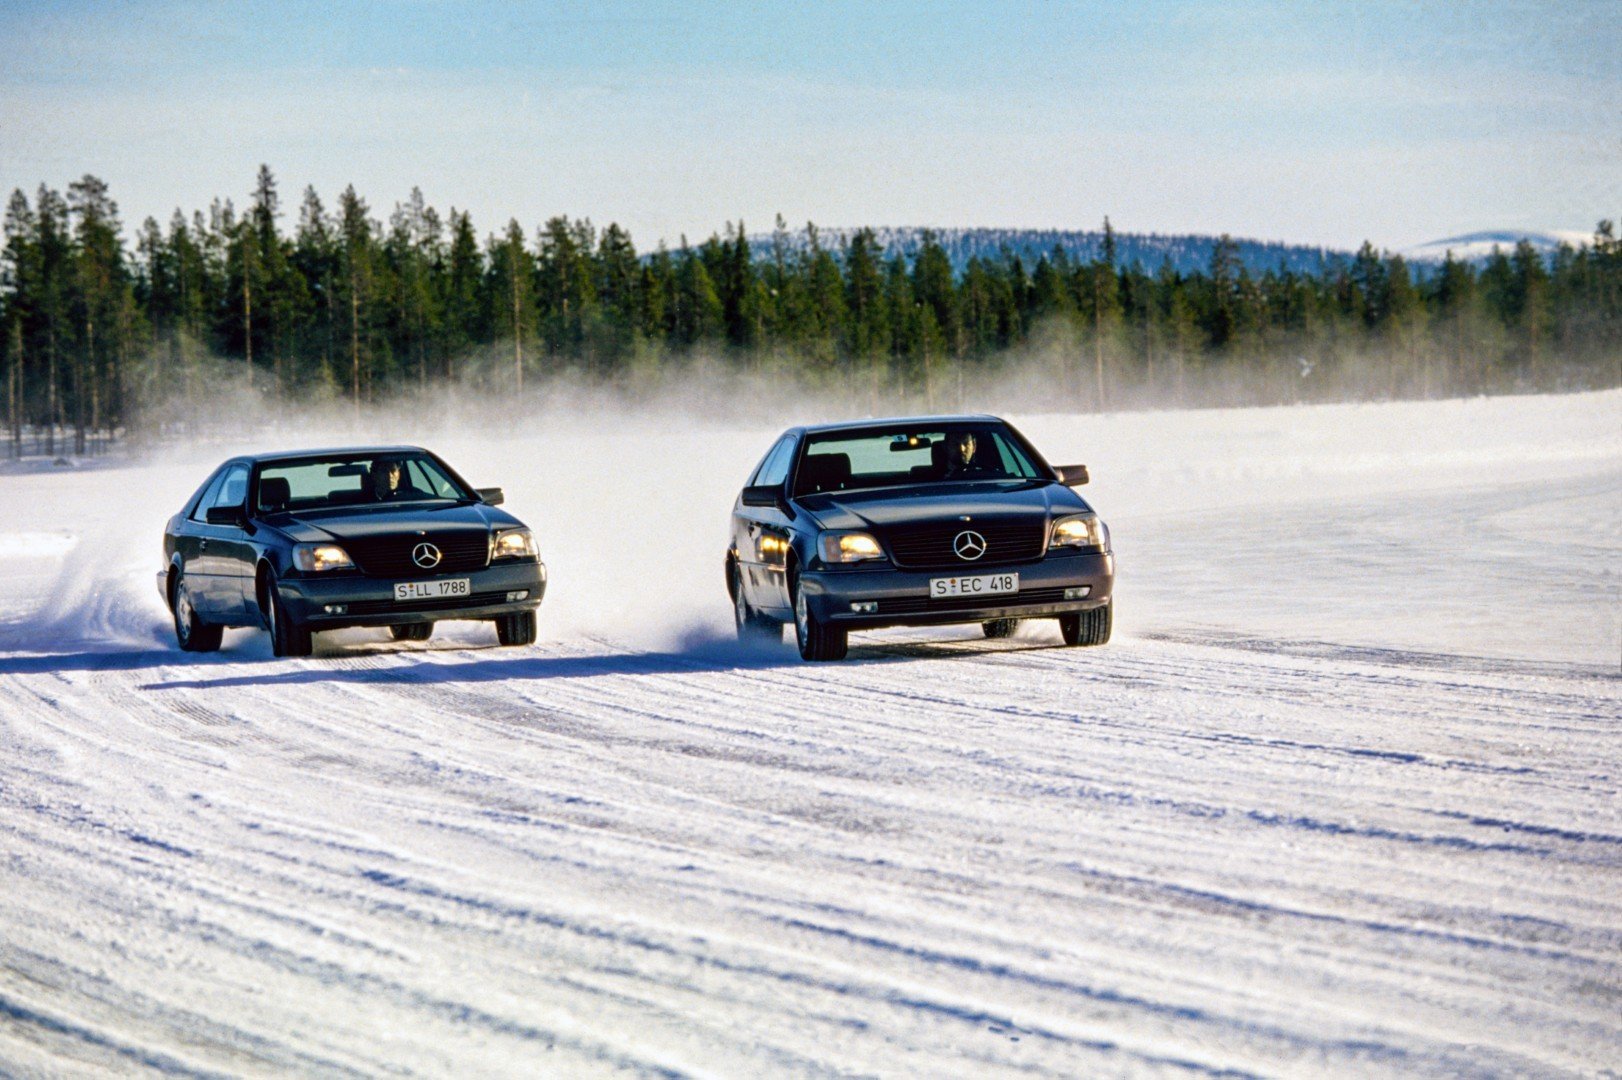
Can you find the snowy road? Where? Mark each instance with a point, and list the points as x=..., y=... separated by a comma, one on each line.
x=1356, y=813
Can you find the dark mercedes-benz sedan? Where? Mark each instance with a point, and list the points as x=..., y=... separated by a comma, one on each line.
x=915, y=522
x=323, y=539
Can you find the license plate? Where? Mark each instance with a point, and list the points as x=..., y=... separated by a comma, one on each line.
x=980, y=585
x=433, y=590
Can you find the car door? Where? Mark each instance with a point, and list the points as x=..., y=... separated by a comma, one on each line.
x=761, y=535
x=225, y=555
x=191, y=546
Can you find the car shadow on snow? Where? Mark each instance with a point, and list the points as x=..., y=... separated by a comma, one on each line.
x=368, y=662
x=490, y=664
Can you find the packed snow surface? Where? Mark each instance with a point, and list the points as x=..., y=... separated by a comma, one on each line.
x=1340, y=798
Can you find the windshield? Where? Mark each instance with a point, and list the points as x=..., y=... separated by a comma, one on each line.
x=355, y=480
x=846, y=460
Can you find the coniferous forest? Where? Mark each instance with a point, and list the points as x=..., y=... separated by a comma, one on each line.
x=337, y=303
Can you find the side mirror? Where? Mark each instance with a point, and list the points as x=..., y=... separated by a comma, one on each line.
x=1072, y=475
x=227, y=515
x=762, y=496
x=491, y=496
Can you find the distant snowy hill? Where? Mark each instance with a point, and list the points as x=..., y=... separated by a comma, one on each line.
x=1185, y=253
x=1478, y=246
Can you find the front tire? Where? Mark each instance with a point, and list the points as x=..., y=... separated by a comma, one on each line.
x=817, y=641
x=421, y=631
x=516, y=629
x=753, y=628
x=287, y=637
x=999, y=628
x=192, y=634
x=1088, y=627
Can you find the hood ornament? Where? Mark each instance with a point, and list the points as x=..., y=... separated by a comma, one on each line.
x=969, y=545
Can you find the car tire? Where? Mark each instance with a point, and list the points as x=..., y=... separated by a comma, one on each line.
x=999, y=628
x=753, y=628
x=421, y=631
x=1088, y=627
x=817, y=641
x=287, y=637
x=192, y=634
x=516, y=629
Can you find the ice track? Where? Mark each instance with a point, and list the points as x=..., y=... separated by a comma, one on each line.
x=1209, y=849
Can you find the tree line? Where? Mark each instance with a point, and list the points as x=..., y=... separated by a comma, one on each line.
x=337, y=304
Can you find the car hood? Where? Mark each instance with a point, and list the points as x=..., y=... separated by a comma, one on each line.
x=879, y=508
x=346, y=523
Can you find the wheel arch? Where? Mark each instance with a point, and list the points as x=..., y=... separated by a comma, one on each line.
x=264, y=570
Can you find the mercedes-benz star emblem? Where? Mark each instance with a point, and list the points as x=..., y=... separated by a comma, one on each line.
x=969, y=545
x=426, y=556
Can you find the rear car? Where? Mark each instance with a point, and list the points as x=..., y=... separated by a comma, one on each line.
x=298, y=543
x=915, y=522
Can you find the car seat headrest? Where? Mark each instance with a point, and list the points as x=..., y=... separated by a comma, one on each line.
x=825, y=472
x=274, y=492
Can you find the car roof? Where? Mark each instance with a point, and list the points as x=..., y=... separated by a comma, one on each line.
x=895, y=421
x=331, y=451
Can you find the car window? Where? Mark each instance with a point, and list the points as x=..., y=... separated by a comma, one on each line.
x=354, y=480
x=200, y=511
x=845, y=460
x=1014, y=462
x=774, y=467
x=425, y=478
x=234, y=491
x=754, y=476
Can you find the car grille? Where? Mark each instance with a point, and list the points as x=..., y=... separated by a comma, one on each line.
x=929, y=546
x=390, y=556
x=918, y=605
x=384, y=607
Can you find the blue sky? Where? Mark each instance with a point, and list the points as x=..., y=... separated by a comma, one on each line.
x=1323, y=123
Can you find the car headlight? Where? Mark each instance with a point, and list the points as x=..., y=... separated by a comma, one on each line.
x=514, y=544
x=313, y=558
x=771, y=549
x=1083, y=531
x=848, y=547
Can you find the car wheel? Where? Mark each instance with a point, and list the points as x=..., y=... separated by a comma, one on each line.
x=421, y=631
x=816, y=641
x=1088, y=627
x=752, y=627
x=192, y=634
x=287, y=637
x=999, y=628
x=517, y=629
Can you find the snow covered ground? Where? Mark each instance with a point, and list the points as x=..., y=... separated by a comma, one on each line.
x=1341, y=797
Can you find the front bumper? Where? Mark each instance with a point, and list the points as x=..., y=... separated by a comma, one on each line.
x=370, y=601
x=903, y=596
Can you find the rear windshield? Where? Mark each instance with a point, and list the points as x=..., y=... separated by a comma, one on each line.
x=355, y=480
x=846, y=460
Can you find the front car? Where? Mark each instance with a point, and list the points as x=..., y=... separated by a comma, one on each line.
x=319, y=540
x=916, y=522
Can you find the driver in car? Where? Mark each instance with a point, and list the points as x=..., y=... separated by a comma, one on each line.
x=963, y=458
x=388, y=484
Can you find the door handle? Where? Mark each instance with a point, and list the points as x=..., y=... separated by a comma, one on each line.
x=202, y=545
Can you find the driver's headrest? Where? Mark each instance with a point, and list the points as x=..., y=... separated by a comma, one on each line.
x=274, y=491
x=824, y=472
